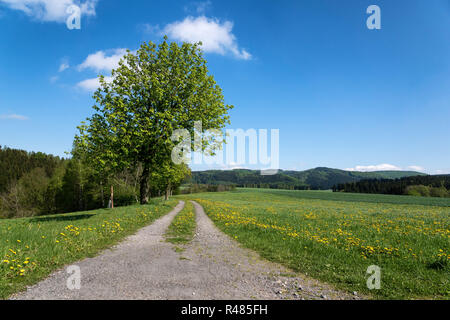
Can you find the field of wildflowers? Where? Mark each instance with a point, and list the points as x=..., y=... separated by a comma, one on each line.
x=31, y=248
x=336, y=241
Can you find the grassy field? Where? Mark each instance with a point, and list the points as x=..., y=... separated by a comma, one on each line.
x=31, y=248
x=182, y=228
x=359, y=197
x=335, y=237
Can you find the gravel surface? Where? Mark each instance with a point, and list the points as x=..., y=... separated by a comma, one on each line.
x=212, y=266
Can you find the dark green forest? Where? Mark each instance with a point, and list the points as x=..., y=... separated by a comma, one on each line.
x=34, y=183
x=426, y=186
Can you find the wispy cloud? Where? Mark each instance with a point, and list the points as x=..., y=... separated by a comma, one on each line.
x=63, y=66
x=232, y=166
x=13, y=117
x=50, y=10
x=378, y=167
x=416, y=168
x=216, y=36
x=198, y=7
x=385, y=167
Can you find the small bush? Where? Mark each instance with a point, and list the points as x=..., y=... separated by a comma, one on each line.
x=419, y=190
x=427, y=191
x=439, y=192
x=199, y=188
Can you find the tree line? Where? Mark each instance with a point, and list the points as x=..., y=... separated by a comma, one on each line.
x=428, y=186
x=36, y=184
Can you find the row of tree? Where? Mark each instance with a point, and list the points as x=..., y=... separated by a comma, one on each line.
x=57, y=185
x=427, y=185
x=196, y=188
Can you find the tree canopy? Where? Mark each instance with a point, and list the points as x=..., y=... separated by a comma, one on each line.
x=153, y=92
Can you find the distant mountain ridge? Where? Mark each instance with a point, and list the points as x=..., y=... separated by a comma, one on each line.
x=320, y=178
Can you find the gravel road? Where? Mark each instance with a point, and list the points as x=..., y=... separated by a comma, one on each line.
x=212, y=266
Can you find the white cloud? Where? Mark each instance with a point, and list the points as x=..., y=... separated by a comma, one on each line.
x=416, y=168
x=13, y=117
x=63, y=67
x=215, y=36
x=379, y=167
x=92, y=84
x=385, y=167
x=231, y=167
x=101, y=61
x=50, y=10
x=54, y=79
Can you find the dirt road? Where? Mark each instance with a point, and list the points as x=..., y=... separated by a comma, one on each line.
x=212, y=266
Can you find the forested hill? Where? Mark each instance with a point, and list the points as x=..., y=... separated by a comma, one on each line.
x=15, y=163
x=318, y=178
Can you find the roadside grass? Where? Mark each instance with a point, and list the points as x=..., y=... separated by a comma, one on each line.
x=32, y=248
x=182, y=228
x=336, y=241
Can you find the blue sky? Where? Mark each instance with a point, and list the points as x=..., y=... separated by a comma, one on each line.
x=342, y=95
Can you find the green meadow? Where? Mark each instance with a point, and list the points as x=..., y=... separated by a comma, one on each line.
x=335, y=237
x=32, y=248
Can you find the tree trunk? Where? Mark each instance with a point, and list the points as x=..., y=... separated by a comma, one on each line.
x=112, y=197
x=136, y=180
x=144, y=185
x=166, y=196
x=102, y=194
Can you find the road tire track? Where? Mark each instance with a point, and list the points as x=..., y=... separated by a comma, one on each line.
x=234, y=272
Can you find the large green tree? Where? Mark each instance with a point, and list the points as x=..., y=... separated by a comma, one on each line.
x=153, y=92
